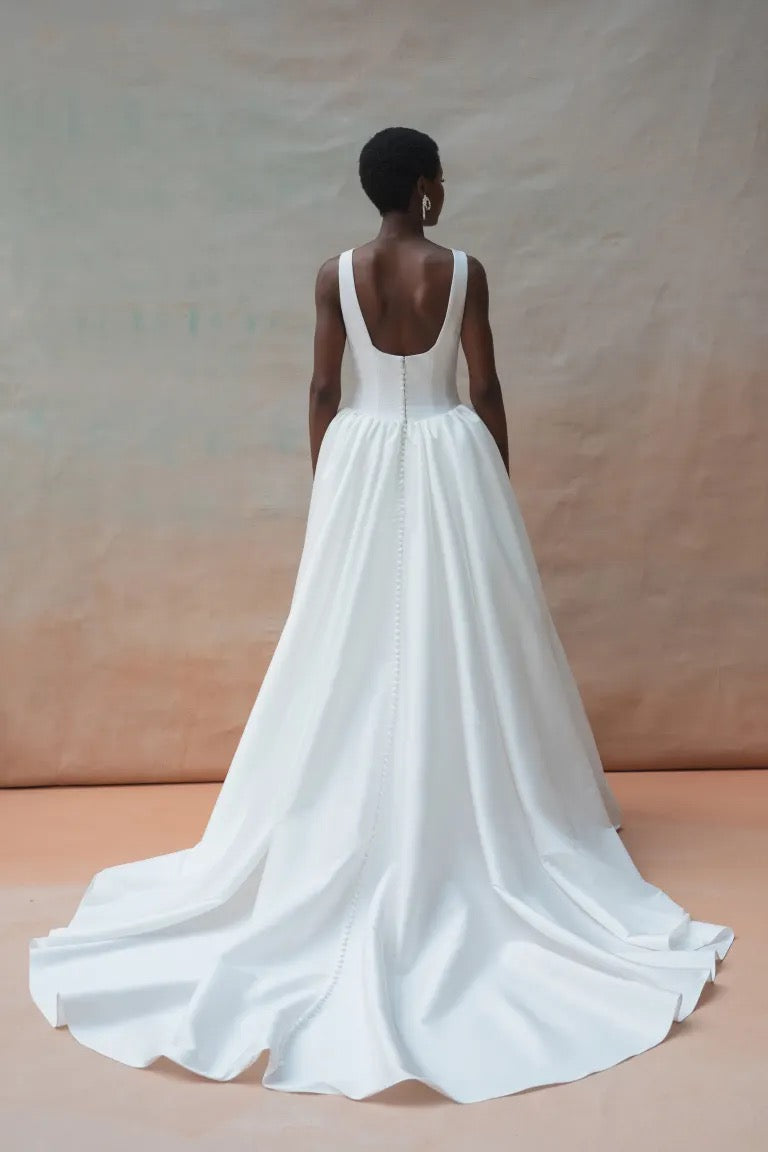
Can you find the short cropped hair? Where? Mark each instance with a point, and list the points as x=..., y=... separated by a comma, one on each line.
x=391, y=163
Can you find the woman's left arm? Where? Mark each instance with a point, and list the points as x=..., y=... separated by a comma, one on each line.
x=330, y=338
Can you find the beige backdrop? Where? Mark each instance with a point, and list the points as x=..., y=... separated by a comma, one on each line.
x=172, y=176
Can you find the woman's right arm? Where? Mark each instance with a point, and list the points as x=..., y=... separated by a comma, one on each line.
x=477, y=341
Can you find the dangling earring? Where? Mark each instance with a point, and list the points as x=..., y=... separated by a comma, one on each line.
x=426, y=204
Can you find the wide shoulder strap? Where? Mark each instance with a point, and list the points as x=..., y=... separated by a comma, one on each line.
x=459, y=295
x=357, y=333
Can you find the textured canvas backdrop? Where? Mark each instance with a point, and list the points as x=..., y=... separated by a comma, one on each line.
x=172, y=176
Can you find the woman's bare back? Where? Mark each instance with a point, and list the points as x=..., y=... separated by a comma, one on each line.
x=403, y=289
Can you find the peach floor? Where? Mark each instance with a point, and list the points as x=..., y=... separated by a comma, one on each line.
x=702, y=836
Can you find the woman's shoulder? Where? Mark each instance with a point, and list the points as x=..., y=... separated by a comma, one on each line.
x=327, y=278
x=475, y=267
x=476, y=273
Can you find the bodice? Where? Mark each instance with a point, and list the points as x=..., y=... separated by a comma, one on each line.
x=395, y=386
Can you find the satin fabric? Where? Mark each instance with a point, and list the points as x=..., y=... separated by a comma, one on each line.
x=413, y=867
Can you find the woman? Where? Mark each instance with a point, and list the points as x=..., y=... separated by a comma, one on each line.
x=413, y=867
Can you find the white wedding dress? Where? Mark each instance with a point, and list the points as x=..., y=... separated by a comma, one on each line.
x=412, y=869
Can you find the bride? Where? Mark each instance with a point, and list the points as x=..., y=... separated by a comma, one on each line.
x=413, y=868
